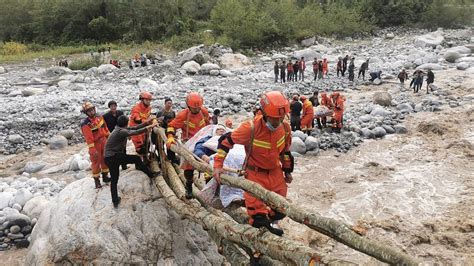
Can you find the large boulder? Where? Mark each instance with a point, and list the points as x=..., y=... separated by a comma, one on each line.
x=81, y=226
x=382, y=98
x=35, y=206
x=311, y=143
x=191, y=67
x=21, y=197
x=147, y=84
x=462, y=66
x=106, y=68
x=234, y=61
x=379, y=132
x=190, y=54
x=297, y=145
x=308, y=54
x=379, y=111
x=308, y=42
x=34, y=166
x=207, y=67
x=55, y=71
x=431, y=39
x=451, y=56
x=30, y=91
x=15, y=139
x=57, y=142
x=460, y=49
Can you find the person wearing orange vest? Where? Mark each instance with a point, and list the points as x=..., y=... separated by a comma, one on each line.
x=289, y=69
x=95, y=133
x=140, y=113
x=269, y=163
x=325, y=101
x=338, y=101
x=325, y=67
x=308, y=115
x=190, y=121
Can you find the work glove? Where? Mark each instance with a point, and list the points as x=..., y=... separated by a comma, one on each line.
x=288, y=178
x=170, y=142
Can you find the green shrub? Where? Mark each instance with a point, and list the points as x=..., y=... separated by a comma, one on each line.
x=14, y=48
x=86, y=63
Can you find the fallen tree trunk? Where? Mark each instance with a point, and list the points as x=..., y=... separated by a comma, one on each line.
x=276, y=247
x=329, y=227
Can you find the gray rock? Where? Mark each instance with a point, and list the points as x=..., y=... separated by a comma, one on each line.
x=147, y=84
x=16, y=206
x=30, y=91
x=21, y=197
x=388, y=129
x=191, y=67
x=106, y=68
x=379, y=132
x=379, y=111
x=15, y=236
x=26, y=229
x=313, y=153
x=2, y=70
x=297, y=145
x=140, y=230
x=207, y=67
x=67, y=133
x=214, y=72
x=15, y=229
x=5, y=198
x=234, y=61
x=365, y=118
x=389, y=35
x=367, y=133
x=460, y=49
x=451, y=56
x=377, y=81
x=311, y=143
x=34, y=166
x=405, y=107
x=15, y=139
x=462, y=66
x=226, y=73
x=299, y=134
x=308, y=54
x=399, y=129
x=57, y=142
x=35, y=206
x=308, y=42
x=382, y=98
x=431, y=39
x=295, y=154
x=21, y=243
x=18, y=219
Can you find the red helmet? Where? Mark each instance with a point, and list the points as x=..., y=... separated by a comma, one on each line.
x=87, y=106
x=194, y=99
x=303, y=98
x=274, y=104
x=145, y=95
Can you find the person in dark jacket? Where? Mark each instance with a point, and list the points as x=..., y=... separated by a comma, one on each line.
x=320, y=69
x=429, y=80
x=295, y=110
x=166, y=114
x=315, y=101
x=296, y=68
x=276, y=71
x=364, y=67
x=315, y=68
x=115, y=156
x=344, y=64
x=339, y=66
x=110, y=119
x=282, y=72
x=351, y=69
x=402, y=76
x=375, y=75
x=215, y=116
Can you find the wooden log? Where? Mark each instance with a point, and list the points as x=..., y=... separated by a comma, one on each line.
x=329, y=227
x=287, y=251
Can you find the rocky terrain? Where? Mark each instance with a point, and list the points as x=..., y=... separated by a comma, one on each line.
x=401, y=168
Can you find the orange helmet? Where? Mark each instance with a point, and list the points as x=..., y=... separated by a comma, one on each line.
x=87, y=106
x=303, y=98
x=274, y=104
x=194, y=99
x=145, y=95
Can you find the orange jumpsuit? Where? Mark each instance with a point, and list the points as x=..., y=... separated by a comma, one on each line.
x=325, y=101
x=190, y=124
x=139, y=114
x=338, y=112
x=325, y=67
x=268, y=157
x=308, y=116
x=95, y=133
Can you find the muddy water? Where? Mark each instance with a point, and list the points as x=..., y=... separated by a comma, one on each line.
x=413, y=191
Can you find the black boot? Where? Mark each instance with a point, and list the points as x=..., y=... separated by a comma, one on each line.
x=97, y=183
x=188, y=174
x=118, y=202
x=105, y=177
x=261, y=220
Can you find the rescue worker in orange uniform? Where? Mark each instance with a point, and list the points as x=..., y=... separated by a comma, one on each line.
x=140, y=113
x=95, y=133
x=338, y=101
x=325, y=101
x=190, y=121
x=267, y=141
x=308, y=115
x=325, y=67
